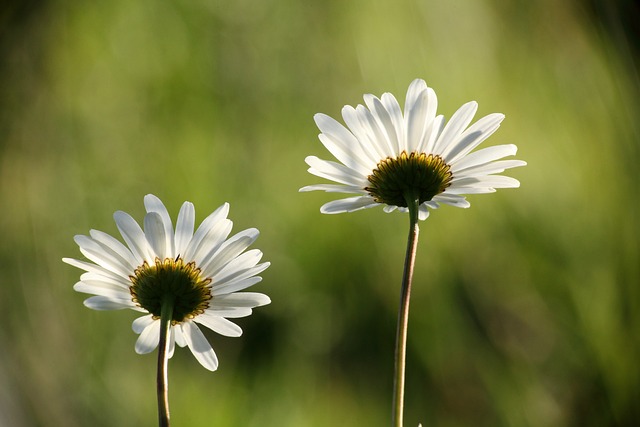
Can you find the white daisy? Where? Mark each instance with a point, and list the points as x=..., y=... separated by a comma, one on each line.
x=202, y=272
x=387, y=156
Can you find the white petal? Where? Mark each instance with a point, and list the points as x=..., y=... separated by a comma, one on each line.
x=231, y=313
x=149, y=338
x=154, y=231
x=483, y=156
x=251, y=233
x=230, y=249
x=351, y=161
x=493, y=181
x=103, y=256
x=154, y=204
x=423, y=212
x=341, y=143
x=415, y=90
x=452, y=199
x=240, y=299
x=490, y=168
x=93, y=268
x=179, y=335
x=374, y=151
x=432, y=124
x=141, y=323
x=184, y=227
x=237, y=263
x=98, y=285
x=218, y=259
x=111, y=279
x=499, y=181
x=134, y=237
x=397, y=121
x=432, y=134
x=172, y=341
x=471, y=189
x=349, y=204
x=417, y=119
x=211, y=242
x=115, y=245
x=472, y=137
x=456, y=125
x=333, y=188
x=334, y=171
x=431, y=204
x=199, y=346
x=237, y=284
x=377, y=120
x=376, y=135
x=219, y=325
x=204, y=228
x=101, y=302
x=101, y=288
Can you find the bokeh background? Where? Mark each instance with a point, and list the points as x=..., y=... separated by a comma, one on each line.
x=525, y=308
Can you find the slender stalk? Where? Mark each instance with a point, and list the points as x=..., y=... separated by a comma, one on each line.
x=163, y=347
x=403, y=311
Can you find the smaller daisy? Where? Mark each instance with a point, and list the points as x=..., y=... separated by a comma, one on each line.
x=386, y=156
x=200, y=274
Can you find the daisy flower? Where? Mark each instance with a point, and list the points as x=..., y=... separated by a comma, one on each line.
x=199, y=273
x=410, y=161
x=386, y=156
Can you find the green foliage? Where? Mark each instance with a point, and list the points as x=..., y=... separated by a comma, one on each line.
x=525, y=308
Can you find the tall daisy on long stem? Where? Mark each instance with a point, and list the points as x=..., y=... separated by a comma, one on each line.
x=179, y=280
x=411, y=162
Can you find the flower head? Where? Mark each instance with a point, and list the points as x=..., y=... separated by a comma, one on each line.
x=388, y=157
x=201, y=273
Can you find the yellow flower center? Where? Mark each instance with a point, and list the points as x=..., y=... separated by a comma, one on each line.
x=421, y=174
x=171, y=278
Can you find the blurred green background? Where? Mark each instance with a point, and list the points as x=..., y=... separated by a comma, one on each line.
x=525, y=308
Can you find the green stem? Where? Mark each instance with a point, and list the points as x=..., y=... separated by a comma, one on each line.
x=403, y=311
x=163, y=348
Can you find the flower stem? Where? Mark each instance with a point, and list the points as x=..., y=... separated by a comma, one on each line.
x=163, y=348
x=403, y=310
